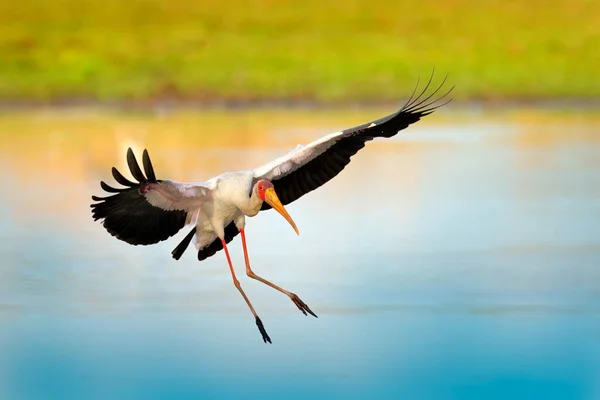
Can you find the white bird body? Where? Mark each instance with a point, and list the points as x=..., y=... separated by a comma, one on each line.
x=153, y=210
x=210, y=205
x=228, y=203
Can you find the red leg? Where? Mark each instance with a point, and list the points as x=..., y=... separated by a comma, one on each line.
x=259, y=323
x=299, y=303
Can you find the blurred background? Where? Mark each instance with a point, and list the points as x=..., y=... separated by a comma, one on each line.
x=474, y=275
x=74, y=51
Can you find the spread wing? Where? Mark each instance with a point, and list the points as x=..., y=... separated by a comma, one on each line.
x=306, y=168
x=149, y=210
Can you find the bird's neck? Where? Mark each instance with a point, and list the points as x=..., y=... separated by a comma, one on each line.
x=252, y=205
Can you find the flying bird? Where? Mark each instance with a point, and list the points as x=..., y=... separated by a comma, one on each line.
x=149, y=210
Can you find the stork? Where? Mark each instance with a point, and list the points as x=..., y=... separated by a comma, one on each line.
x=151, y=210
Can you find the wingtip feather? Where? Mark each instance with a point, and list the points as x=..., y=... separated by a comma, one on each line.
x=148, y=168
x=134, y=167
x=121, y=179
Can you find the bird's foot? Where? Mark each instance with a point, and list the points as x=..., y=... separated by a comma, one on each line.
x=262, y=330
x=301, y=305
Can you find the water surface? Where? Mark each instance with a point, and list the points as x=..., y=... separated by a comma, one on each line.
x=458, y=260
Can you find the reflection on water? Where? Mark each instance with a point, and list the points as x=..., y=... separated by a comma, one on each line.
x=458, y=260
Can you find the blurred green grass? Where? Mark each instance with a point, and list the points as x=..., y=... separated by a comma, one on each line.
x=342, y=50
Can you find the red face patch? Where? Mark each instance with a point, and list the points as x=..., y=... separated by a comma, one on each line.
x=262, y=187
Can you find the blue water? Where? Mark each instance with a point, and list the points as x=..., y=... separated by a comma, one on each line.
x=463, y=263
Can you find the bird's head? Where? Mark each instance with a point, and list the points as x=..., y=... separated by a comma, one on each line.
x=266, y=192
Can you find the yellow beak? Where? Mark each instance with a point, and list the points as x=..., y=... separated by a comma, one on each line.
x=272, y=199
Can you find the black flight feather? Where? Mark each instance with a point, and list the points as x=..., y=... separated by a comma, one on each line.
x=128, y=216
x=330, y=163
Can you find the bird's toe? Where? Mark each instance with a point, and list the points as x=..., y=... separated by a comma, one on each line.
x=262, y=330
x=302, y=305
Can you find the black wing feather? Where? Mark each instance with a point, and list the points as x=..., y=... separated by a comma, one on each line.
x=231, y=231
x=182, y=246
x=148, y=166
x=330, y=163
x=128, y=215
x=110, y=189
x=121, y=179
x=317, y=172
x=134, y=167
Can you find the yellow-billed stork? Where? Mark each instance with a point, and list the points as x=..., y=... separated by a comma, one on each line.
x=152, y=210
